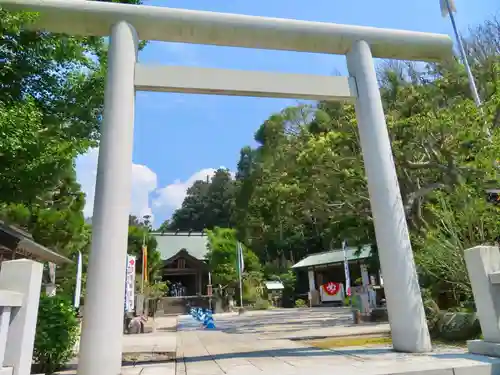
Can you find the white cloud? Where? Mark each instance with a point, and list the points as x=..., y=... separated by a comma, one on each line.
x=144, y=182
x=144, y=186
x=171, y=196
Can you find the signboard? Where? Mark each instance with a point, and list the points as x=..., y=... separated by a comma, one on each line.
x=332, y=291
x=130, y=284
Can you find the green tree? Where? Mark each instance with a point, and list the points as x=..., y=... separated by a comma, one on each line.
x=137, y=235
x=222, y=258
x=56, y=222
x=207, y=204
x=463, y=220
x=51, y=101
x=303, y=189
x=164, y=227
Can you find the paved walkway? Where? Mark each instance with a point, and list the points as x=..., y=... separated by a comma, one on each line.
x=297, y=324
x=242, y=348
x=258, y=343
x=149, y=353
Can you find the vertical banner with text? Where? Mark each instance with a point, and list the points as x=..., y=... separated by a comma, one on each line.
x=130, y=284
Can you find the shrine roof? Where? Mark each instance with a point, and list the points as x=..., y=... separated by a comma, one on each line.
x=333, y=257
x=169, y=244
x=16, y=239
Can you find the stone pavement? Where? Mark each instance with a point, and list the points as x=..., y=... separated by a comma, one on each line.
x=162, y=339
x=238, y=347
x=147, y=354
x=258, y=343
x=298, y=324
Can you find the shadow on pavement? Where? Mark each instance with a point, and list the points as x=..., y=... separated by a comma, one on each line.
x=282, y=353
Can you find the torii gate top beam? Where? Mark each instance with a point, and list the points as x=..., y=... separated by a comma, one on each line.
x=79, y=17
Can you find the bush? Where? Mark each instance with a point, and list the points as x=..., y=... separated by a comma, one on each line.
x=57, y=332
x=300, y=303
x=458, y=326
x=432, y=311
x=261, y=304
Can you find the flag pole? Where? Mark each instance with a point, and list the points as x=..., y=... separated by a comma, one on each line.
x=472, y=84
x=240, y=270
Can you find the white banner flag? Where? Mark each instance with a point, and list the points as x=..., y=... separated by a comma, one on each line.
x=444, y=7
x=78, y=287
x=346, y=270
x=241, y=261
x=130, y=284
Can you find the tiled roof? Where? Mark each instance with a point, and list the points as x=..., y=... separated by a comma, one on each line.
x=24, y=242
x=170, y=244
x=332, y=257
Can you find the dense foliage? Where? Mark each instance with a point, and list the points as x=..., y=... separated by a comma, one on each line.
x=223, y=260
x=303, y=189
x=57, y=332
x=208, y=204
x=139, y=235
x=51, y=102
x=300, y=191
x=51, y=98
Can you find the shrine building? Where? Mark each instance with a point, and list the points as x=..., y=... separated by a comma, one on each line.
x=326, y=274
x=16, y=243
x=184, y=263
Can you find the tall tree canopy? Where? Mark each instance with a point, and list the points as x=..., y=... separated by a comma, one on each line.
x=303, y=188
x=51, y=101
x=208, y=204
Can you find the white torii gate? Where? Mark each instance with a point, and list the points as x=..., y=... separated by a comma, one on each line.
x=101, y=345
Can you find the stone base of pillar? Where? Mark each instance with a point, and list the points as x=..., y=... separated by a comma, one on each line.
x=481, y=347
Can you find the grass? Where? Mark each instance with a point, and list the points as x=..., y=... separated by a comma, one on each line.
x=342, y=342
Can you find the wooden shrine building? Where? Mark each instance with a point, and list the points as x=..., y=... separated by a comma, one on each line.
x=185, y=269
x=184, y=264
x=328, y=267
x=15, y=243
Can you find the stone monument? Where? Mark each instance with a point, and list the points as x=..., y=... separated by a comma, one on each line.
x=483, y=266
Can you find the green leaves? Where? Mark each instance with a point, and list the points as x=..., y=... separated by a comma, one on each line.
x=207, y=204
x=57, y=332
x=460, y=220
x=33, y=159
x=137, y=233
x=222, y=258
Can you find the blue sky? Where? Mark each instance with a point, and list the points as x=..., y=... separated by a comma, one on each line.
x=180, y=138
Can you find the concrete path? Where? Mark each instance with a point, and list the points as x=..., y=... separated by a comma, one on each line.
x=149, y=353
x=252, y=344
x=298, y=324
x=162, y=339
x=258, y=343
x=214, y=353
